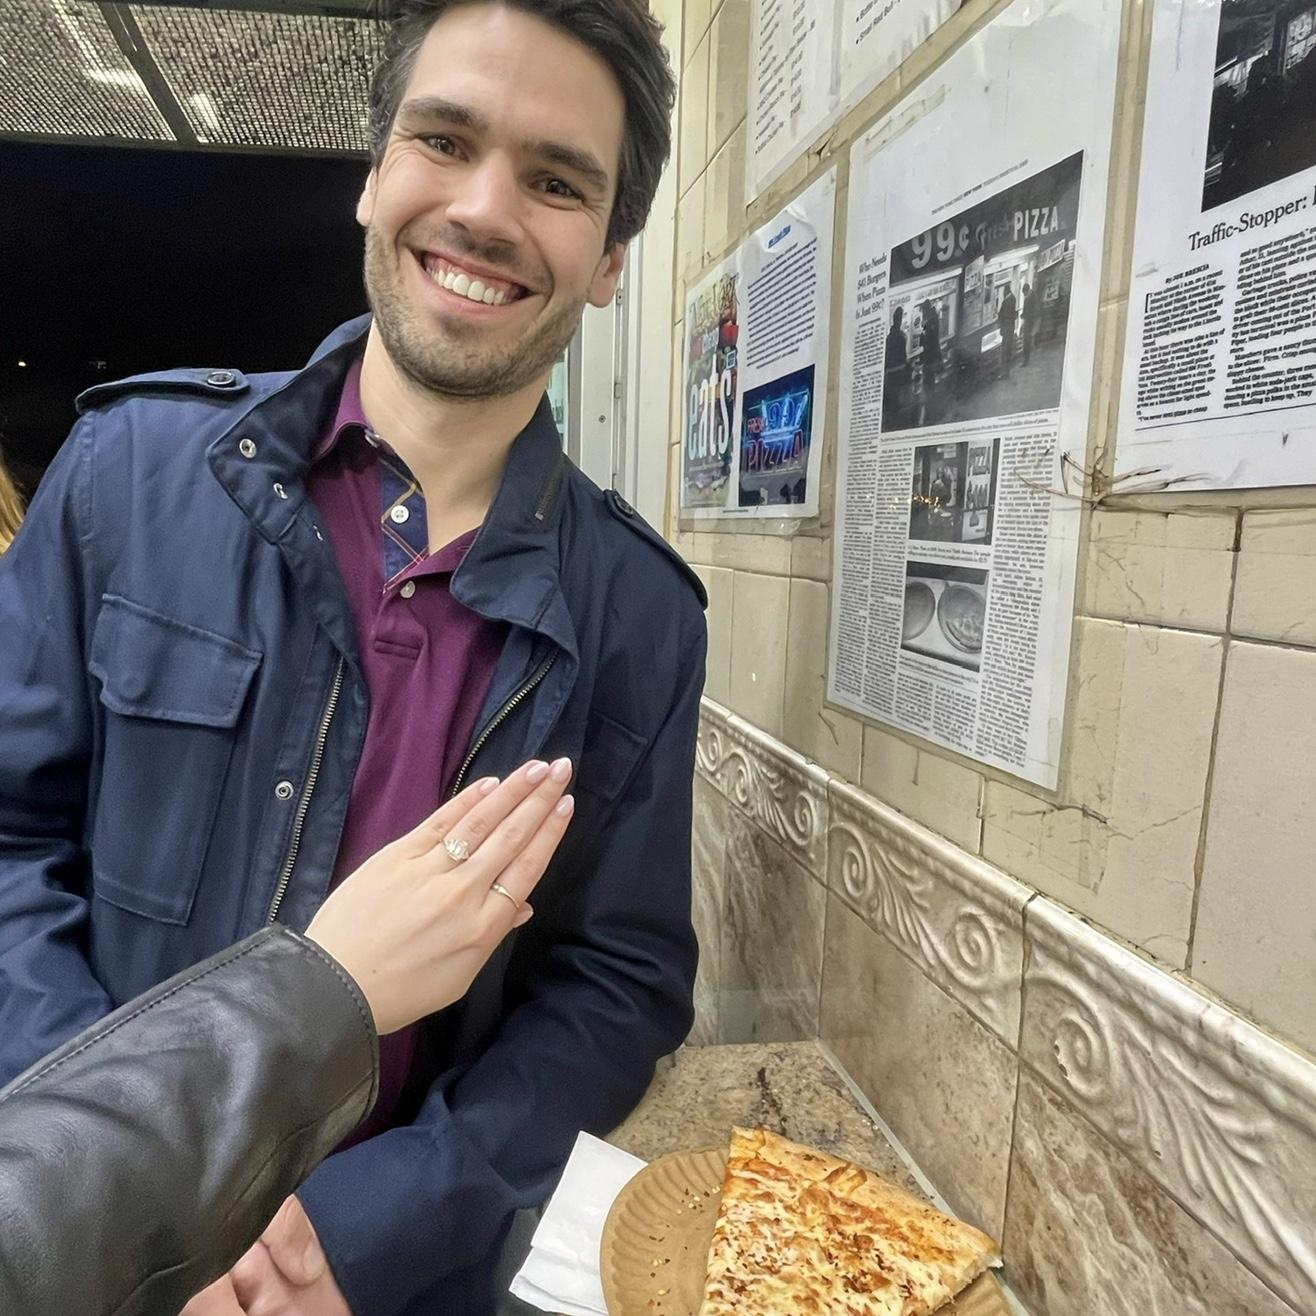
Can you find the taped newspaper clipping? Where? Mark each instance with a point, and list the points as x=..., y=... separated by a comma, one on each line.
x=811, y=60
x=756, y=335
x=1220, y=381
x=972, y=280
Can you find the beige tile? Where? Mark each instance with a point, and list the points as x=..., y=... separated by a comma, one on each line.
x=932, y=789
x=1218, y=1113
x=673, y=497
x=1087, y=1232
x=690, y=238
x=811, y=558
x=694, y=117
x=772, y=941
x=822, y=734
x=786, y=186
x=1276, y=593
x=687, y=545
x=943, y=1083
x=697, y=15
x=1056, y=848
x=1168, y=570
x=957, y=918
x=717, y=581
x=677, y=400
x=724, y=217
x=760, y=607
x=1125, y=156
x=1119, y=842
x=728, y=75
x=778, y=789
x=1256, y=924
x=712, y=823
x=745, y=550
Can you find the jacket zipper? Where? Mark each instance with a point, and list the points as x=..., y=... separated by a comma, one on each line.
x=502, y=715
x=550, y=491
x=317, y=757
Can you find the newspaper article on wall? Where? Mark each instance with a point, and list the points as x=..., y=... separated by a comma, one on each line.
x=757, y=348
x=972, y=282
x=1220, y=381
x=811, y=60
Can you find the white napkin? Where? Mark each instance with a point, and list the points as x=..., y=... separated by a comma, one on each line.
x=561, y=1274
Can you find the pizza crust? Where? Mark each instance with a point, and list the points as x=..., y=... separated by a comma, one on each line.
x=802, y=1233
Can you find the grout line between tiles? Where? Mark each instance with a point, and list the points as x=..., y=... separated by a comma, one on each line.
x=1019, y=1066
x=1131, y=1159
x=1199, y=859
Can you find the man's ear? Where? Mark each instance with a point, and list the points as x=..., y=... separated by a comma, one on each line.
x=603, y=287
x=365, y=206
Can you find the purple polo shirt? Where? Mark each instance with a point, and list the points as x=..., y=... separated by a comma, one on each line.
x=427, y=660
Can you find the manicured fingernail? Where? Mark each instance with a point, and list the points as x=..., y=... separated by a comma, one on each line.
x=565, y=806
x=562, y=770
x=313, y=1262
x=537, y=771
x=488, y=784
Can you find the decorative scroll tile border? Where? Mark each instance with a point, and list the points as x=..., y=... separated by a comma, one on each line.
x=780, y=790
x=959, y=919
x=1219, y=1113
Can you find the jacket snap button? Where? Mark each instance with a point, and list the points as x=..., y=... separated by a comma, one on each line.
x=623, y=506
x=247, y=448
x=279, y=490
x=283, y=791
x=220, y=378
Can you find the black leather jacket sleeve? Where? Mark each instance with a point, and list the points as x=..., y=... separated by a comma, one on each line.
x=142, y=1158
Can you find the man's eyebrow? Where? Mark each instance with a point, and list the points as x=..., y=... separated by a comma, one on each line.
x=580, y=162
x=431, y=108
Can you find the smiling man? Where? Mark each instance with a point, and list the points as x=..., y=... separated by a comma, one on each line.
x=263, y=625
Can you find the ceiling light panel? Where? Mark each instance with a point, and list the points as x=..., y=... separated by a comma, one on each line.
x=247, y=78
x=63, y=74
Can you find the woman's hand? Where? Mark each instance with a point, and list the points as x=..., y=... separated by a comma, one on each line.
x=416, y=922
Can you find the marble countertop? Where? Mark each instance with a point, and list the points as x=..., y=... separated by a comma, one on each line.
x=788, y=1087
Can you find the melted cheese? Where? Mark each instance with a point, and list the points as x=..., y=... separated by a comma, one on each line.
x=803, y=1234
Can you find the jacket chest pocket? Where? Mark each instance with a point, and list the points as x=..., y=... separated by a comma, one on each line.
x=172, y=695
x=605, y=754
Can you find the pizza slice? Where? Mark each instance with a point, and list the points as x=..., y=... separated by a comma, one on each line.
x=801, y=1233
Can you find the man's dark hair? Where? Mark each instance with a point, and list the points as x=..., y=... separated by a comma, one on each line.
x=621, y=32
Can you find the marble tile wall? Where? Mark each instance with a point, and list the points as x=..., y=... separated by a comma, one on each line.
x=1185, y=782
x=1140, y=1148
x=1141, y=1144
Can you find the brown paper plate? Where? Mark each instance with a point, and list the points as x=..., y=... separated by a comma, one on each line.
x=655, y=1242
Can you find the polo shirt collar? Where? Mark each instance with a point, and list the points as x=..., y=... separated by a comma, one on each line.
x=511, y=572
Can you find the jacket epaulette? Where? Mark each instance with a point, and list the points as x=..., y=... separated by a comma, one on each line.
x=628, y=516
x=208, y=383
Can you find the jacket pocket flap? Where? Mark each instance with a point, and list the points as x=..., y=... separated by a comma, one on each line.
x=612, y=751
x=152, y=666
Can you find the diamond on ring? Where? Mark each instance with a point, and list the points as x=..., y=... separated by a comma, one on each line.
x=505, y=893
x=457, y=849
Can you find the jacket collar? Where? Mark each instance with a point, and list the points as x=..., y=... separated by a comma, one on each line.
x=512, y=571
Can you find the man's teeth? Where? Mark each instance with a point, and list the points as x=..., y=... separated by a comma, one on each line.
x=472, y=289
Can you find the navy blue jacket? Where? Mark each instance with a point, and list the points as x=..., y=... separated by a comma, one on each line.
x=177, y=650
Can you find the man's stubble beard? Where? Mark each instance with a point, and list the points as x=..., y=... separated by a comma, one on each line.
x=452, y=369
